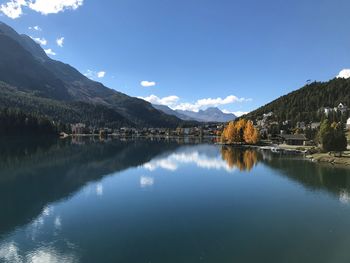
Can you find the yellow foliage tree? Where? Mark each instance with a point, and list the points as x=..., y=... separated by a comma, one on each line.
x=239, y=132
x=240, y=126
x=251, y=134
x=230, y=133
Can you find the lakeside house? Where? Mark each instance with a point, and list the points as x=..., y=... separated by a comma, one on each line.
x=294, y=139
x=78, y=128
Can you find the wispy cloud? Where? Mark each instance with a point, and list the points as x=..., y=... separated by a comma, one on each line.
x=41, y=41
x=14, y=8
x=36, y=28
x=49, y=51
x=95, y=74
x=146, y=83
x=345, y=74
x=60, y=41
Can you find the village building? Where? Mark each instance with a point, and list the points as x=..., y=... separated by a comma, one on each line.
x=315, y=125
x=301, y=125
x=341, y=108
x=327, y=110
x=294, y=139
x=78, y=128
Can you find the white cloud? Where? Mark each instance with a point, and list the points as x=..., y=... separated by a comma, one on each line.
x=36, y=28
x=101, y=74
x=167, y=101
x=237, y=113
x=172, y=102
x=146, y=83
x=95, y=74
x=13, y=8
x=41, y=41
x=60, y=41
x=209, y=102
x=49, y=51
x=46, y=7
x=345, y=74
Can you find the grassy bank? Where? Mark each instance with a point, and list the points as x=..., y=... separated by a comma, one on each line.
x=344, y=160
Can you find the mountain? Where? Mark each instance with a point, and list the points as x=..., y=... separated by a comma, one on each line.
x=169, y=111
x=304, y=104
x=32, y=81
x=209, y=115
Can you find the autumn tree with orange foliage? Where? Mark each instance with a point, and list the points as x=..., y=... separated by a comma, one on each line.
x=241, y=131
x=251, y=134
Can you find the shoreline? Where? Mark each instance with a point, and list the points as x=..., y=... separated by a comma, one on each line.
x=344, y=160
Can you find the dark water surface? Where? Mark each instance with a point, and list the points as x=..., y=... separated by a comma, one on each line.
x=159, y=202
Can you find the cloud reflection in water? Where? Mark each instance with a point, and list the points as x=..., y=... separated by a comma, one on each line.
x=206, y=157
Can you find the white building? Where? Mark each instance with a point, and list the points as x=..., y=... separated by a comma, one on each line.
x=327, y=110
x=341, y=108
x=348, y=124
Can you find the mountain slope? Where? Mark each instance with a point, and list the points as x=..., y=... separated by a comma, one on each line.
x=26, y=68
x=304, y=104
x=169, y=111
x=18, y=68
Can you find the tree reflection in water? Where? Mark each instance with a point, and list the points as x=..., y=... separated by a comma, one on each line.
x=244, y=160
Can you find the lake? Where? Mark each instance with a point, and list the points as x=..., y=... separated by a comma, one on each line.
x=168, y=201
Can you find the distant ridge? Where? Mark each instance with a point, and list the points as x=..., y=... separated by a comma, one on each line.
x=209, y=115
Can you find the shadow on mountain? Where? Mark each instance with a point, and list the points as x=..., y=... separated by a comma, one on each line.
x=37, y=172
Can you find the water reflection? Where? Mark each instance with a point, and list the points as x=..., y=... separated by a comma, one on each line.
x=11, y=253
x=244, y=160
x=35, y=177
x=146, y=181
x=314, y=176
x=35, y=174
x=202, y=156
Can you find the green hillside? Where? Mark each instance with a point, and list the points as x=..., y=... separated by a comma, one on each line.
x=304, y=104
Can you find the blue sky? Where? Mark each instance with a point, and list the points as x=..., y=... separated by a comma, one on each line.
x=192, y=54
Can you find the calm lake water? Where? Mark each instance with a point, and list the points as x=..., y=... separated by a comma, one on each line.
x=159, y=202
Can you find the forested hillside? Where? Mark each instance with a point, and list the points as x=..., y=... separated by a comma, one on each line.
x=14, y=122
x=304, y=104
